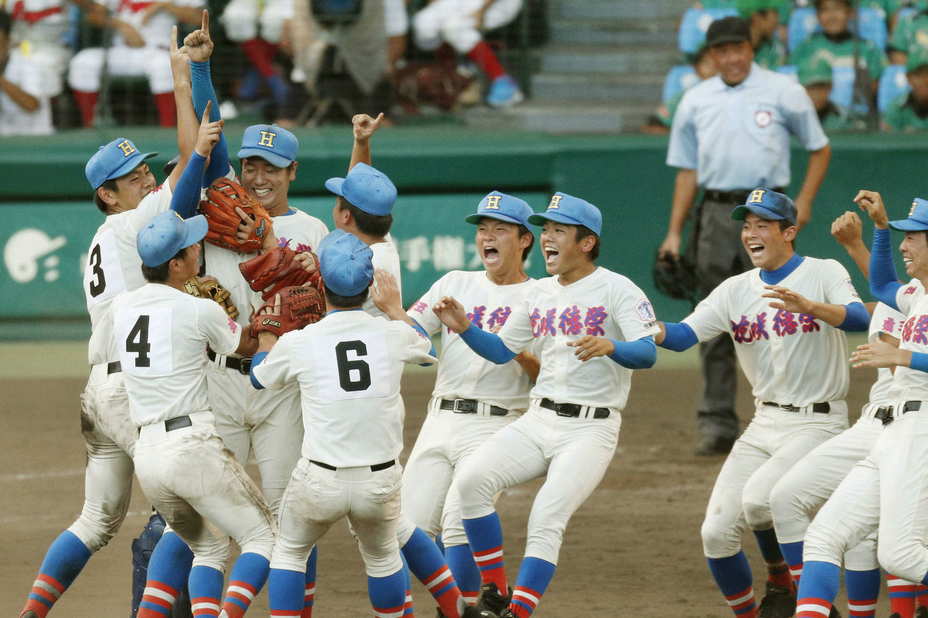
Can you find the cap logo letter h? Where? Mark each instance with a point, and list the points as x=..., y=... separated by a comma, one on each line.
x=912, y=210
x=555, y=201
x=267, y=139
x=126, y=147
x=756, y=196
x=493, y=202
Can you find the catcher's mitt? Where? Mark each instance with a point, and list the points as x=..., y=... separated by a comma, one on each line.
x=299, y=306
x=211, y=289
x=270, y=272
x=676, y=277
x=222, y=197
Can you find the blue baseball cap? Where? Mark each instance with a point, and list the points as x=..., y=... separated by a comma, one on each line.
x=367, y=188
x=917, y=220
x=504, y=207
x=345, y=263
x=114, y=160
x=768, y=205
x=274, y=144
x=166, y=234
x=572, y=210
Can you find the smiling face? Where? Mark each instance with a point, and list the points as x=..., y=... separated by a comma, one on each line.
x=834, y=16
x=768, y=246
x=915, y=254
x=733, y=61
x=268, y=184
x=500, y=245
x=131, y=189
x=564, y=255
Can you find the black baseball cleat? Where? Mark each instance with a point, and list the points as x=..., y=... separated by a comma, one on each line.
x=921, y=612
x=834, y=613
x=469, y=611
x=491, y=600
x=29, y=614
x=779, y=602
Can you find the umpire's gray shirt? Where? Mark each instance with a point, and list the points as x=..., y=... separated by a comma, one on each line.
x=738, y=137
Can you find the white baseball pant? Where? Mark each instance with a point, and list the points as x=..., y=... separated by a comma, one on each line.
x=153, y=62
x=49, y=61
x=453, y=21
x=242, y=19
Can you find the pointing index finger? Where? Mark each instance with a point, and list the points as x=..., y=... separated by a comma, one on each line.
x=205, y=24
x=173, y=39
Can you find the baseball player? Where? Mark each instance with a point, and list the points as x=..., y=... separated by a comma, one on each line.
x=242, y=20
x=472, y=398
x=885, y=491
x=786, y=318
x=348, y=368
x=809, y=483
x=182, y=464
x=590, y=328
x=125, y=191
x=140, y=47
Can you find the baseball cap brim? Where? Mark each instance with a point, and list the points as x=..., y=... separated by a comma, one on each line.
x=130, y=164
x=540, y=218
x=477, y=216
x=270, y=157
x=335, y=186
x=908, y=225
x=197, y=227
x=726, y=38
x=740, y=213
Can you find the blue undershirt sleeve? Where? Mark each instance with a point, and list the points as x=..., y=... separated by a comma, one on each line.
x=679, y=337
x=255, y=361
x=638, y=354
x=487, y=345
x=202, y=85
x=415, y=325
x=857, y=318
x=186, y=194
x=883, y=280
x=919, y=361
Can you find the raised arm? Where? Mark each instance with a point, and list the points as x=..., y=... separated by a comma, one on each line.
x=363, y=128
x=848, y=231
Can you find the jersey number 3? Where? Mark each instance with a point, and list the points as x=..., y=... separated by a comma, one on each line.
x=353, y=375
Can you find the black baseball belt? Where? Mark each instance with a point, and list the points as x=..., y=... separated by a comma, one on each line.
x=114, y=367
x=470, y=406
x=574, y=410
x=821, y=408
x=885, y=413
x=736, y=196
x=241, y=365
x=374, y=468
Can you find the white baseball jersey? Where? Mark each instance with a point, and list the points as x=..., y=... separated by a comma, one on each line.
x=788, y=358
x=909, y=384
x=463, y=374
x=161, y=335
x=885, y=320
x=14, y=120
x=348, y=366
x=157, y=31
x=295, y=229
x=114, y=266
x=387, y=258
x=602, y=304
x=38, y=21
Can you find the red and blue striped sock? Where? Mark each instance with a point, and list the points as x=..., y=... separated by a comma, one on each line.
x=205, y=585
x=485, y=535
x=309, y=588
x=534, y=576
x=901, y=596
x=285, y=591
x=863, y=589
x=464, y=569
x=63, y=562
x=733, y=577
x=817, y=589
x=428, y=564
x=793, y=554
x=247, y=579
x=388, y=594
x=777, y=568
x=168, y=570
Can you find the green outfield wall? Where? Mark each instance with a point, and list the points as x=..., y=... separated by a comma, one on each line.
x=49, y=219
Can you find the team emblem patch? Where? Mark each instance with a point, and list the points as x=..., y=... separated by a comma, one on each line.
x=762, y=118
x=645, y=310
x=850, y=286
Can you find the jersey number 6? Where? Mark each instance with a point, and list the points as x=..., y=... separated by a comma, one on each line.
x=346, y=367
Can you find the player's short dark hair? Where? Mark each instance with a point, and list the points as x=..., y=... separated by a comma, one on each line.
x=372, y=225
x=159, y=273
x=582, y=232
x=109, y=185
x=531, y=242
x=346, y=302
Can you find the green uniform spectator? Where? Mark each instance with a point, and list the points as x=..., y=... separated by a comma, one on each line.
x=764, y=19
x=910, y=33
x=910, y=111
x=816, y=77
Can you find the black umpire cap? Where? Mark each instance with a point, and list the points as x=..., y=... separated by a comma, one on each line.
x=728, y=30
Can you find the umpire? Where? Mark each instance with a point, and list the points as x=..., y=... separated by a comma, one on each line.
x=731, y=133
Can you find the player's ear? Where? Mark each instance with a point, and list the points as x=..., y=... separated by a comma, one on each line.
x=107, y=196
x=789, y=234
x=292, y=171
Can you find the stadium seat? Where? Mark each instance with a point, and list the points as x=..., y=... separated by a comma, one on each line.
x=789, y=69
x=694, y=25
x=802, y=23
x=842, y=86
x=872, y=26
x=893, y=84
x=678, y=78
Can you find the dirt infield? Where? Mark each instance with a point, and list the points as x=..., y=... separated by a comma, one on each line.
x=632, y=550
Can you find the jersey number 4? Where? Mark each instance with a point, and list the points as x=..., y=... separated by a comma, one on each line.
x=353, y=375
x=137, y=342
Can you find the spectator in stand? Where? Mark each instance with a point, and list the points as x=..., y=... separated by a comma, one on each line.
x=816, y=76
x=909, y=112
x=910, y=33
x=461, y=23
x=23, y=108
x=837, y=43
x=140, y=47
x=659, y=123
x=397, y=23
x=764, y=18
